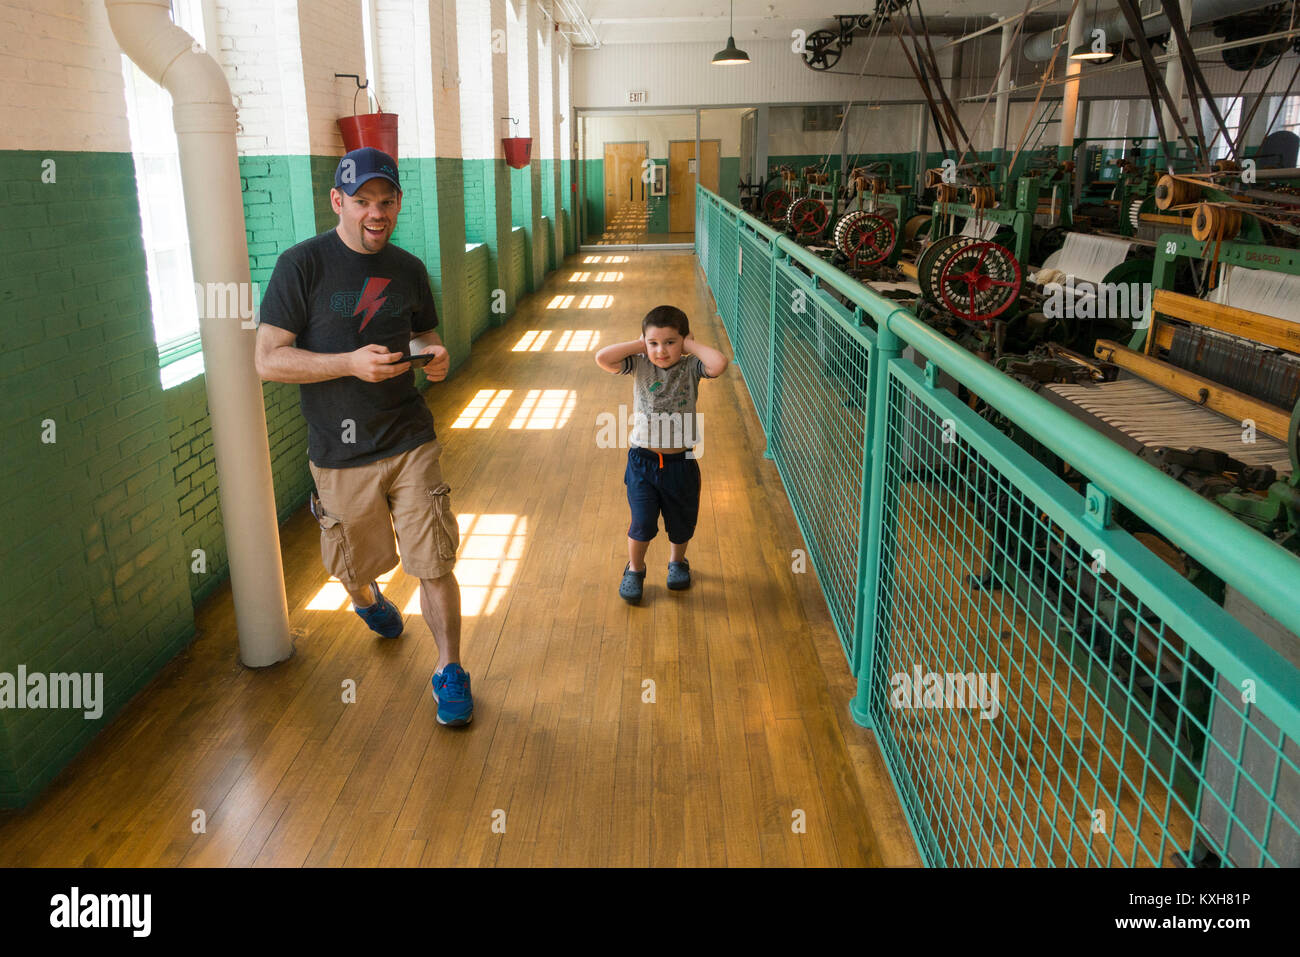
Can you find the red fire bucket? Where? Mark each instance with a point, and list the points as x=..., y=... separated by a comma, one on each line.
x=378, y=130
x=519, y=150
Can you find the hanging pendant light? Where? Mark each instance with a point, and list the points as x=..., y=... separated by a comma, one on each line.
x=1084, y=51
x=729, y=55
x=1087, y=54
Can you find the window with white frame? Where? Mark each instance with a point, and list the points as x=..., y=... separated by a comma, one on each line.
x=1230, y=110
x=1288, y=117
x=164, y=229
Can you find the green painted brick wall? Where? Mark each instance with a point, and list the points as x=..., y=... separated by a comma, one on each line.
x=593, y=198
x=568, y=201
x=478, y=290
x=523, y=188
x=104, y=520
x=91, y=519
x=546, y=229
x=518, y=253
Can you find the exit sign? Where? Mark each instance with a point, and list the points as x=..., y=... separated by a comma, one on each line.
x=636, y=96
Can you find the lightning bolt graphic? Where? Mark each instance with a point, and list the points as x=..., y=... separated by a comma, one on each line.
x=371, y=301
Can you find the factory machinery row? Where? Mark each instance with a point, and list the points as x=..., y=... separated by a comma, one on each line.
x=1157, y=301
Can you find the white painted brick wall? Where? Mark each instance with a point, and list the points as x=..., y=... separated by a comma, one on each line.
x=565, y=103
x=332, y=42
x=399, y=25
x=259, y=51
x=518, y=57
x=444, y=57
x=500, y=75
x=544, y=144
x=62, y=73
x=474, y=66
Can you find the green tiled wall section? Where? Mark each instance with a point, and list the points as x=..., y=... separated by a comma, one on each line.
x=95, y=565
x=518, y=266
x=104, y=520
x=478, y=290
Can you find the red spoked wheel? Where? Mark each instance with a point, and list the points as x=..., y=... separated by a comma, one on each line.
x=807, y=216
x=867, y=239
x=979, y=281
x=775, y=205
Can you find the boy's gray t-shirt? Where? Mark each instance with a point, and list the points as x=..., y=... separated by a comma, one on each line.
x=663, y=411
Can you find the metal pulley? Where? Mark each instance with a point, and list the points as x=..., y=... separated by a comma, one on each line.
x=865, y=238
x=983, y=197
x=914, y=226
x=973, y=279
x=775, y=205
x=1175, y=192
x=931, y=256
x=1215, y=223
x=979, y=281
x=807, y=216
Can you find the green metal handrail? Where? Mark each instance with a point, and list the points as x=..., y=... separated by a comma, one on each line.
x=1260, y=569
x=1255, y=566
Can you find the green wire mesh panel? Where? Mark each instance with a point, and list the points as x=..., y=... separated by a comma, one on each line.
x=703, y=231
x=819, y=432
x=1110, y=738
x=715, y=235
x=750, y=330
x=724, y=282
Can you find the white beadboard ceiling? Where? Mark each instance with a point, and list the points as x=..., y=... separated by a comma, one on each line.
x=691, y=21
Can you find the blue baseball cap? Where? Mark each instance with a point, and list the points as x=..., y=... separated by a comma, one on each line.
x=360, y=166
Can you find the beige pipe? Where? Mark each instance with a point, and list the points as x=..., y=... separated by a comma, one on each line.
x=1070, y=104
x=204, y=115
x=1176, y=81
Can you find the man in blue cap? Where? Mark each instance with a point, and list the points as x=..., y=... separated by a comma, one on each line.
x=340, y=309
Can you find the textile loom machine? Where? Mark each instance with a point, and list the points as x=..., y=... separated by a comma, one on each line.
x=1209, y=391
x=854, y=226
x=976, y=287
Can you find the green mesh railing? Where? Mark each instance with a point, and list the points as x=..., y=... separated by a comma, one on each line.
x=1045, y=688
x=750, y=331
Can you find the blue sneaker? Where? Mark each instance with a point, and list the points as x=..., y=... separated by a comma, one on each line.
x=679, y=575
x=382, y=617
x=455, y=704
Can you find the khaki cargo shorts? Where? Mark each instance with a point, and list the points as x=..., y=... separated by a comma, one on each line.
x=359, y=509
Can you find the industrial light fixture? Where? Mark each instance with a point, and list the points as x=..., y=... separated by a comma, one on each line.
x=1087, y=54
x=729, y=55
x=1084, y=51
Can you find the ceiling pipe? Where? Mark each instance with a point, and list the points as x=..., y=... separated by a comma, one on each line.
x=1039, y=47
x=204, y=117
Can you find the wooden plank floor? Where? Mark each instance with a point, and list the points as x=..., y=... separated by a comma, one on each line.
x=565, y=764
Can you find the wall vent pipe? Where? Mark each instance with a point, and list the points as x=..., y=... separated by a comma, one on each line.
x=204, y=116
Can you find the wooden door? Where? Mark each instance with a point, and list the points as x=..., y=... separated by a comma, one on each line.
x=681, y=181
x=625, y=192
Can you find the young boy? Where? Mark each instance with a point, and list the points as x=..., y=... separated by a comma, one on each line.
x=663, y=472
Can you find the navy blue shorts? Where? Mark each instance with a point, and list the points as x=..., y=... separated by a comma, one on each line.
x=673, y=490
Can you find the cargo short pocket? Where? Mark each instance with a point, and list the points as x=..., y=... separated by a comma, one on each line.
x=445, y=530
x=335, y=550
